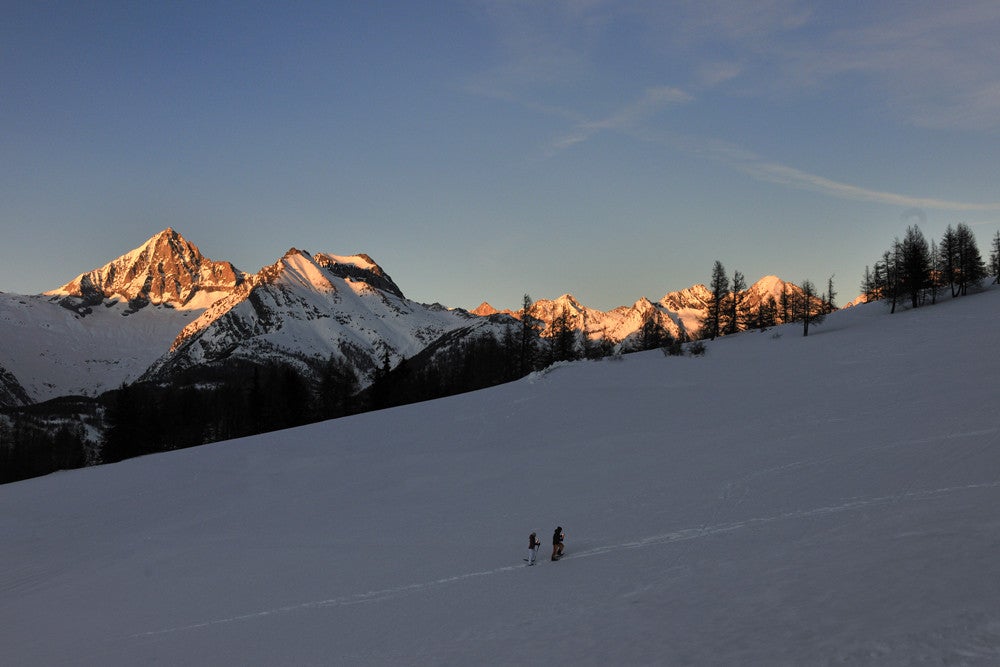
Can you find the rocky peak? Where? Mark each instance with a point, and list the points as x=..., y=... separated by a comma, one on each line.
x=694, y=297
x=484, y=310
x=644, y=305
x=359, y=267
x=166, y=269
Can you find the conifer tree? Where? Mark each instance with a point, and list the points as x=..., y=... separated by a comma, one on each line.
x=878, y=281
x=971, y=268
x=529, y=331
x=123, y=437
x=915, y=270
x=338, y=383
x=995, y=258
x=767, y=314
x=806, y=308
x=562, y=338
x=653, y=334
x=949, y=259
x=733, y=313
x=892, y=263
x=713, y=323
x=935, y=276
x=868, y=285
x=785, y=304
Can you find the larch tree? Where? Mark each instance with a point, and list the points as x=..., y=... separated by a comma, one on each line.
x=806, y=309
x=733, y=313
x=713, y=323
x=971, y=268
x=529, y=330
x=915, y=270
x=995, y=258
x=830, y=296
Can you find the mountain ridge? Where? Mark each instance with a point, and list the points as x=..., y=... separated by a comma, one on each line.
x=165, y=307
x=318, y=306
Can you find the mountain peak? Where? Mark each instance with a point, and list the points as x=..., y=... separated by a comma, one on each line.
x=167, y=268
x=484, y=310
x=359, y=267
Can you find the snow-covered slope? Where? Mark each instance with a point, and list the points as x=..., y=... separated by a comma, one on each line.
x=11, y=392
x=56, y=351
x=781, y=501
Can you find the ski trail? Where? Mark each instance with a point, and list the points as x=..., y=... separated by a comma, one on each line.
x=343, y=600
x=653, y=540
x=722, y=528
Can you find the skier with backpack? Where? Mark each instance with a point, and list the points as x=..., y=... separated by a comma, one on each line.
x=533, y=544
x=557, y=543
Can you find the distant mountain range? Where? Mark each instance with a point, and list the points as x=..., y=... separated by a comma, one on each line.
x=164, y=308
x=679, y=313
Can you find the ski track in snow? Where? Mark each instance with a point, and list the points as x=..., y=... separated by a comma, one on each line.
x=682, y=535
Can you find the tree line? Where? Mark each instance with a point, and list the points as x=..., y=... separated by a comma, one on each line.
x=232, y=400
x=728, y=311
x=917, y=272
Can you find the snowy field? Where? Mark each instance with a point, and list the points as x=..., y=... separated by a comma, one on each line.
x=782, y=501
x=54, y=352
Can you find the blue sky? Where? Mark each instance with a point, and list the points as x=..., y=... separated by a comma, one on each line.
x=481, y=150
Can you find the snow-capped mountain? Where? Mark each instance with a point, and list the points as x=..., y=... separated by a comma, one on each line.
x=616, y=325
x=688, y=305
x=304, y=309
x=164, y=307
x=680, y=313
x=106, y=326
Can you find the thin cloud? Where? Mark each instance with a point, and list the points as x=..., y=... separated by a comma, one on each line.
x=789, y=176
x=769, y=171
x=937, y=67
x=626, y=118
x=629, y=119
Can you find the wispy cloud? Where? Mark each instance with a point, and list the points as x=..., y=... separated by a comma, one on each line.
x=626, y=118
x=930, y=64
x=933, y=64
x=936, y=66
x=796, y=178
x=631, y=118
x=770, y=171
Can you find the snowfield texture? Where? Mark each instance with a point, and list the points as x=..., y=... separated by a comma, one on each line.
x=780, y=501
x=54, y=351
